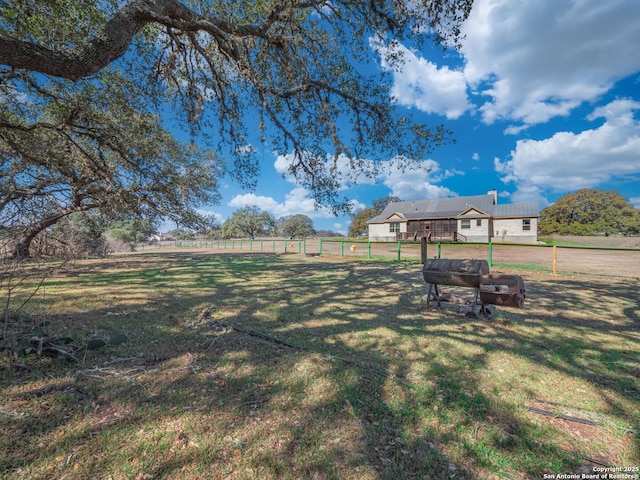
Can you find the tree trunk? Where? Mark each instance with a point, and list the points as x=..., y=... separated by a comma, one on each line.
x=22, y=247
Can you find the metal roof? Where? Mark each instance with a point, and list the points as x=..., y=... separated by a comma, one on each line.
x=440, y=208
x=516, y=210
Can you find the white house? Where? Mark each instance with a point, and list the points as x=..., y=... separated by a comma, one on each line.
x=476, y=218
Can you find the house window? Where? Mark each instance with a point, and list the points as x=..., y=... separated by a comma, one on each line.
x=526, y=224
x=394, y=227
x=478, y=223
x=465, y=224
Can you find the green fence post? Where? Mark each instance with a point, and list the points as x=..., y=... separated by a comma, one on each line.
x=369, y=250
x=399, y=248
x=342, y=248
x=320, y=248
x=304, y=245
x=490, y=254
x=439, y=249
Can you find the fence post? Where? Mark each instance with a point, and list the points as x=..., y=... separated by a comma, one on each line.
x=490, y=254
x=369, y=250
x=555, y=261
x=342, y=248
x=399, y=247
x=439, y=249
x=320, y=248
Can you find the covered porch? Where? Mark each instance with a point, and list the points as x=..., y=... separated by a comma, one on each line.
x=438, y=230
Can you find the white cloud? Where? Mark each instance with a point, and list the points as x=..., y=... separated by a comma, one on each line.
x=540, y=59
x=407, y=183
x=526, y=61
x=282, y=164
x=515, y=129
x=340, y=169
x=208, y=213
x=475, y=156
x=568, y=161
x=422, y=84
x=635, y=201
x=251, y=199
x=245, y=150
x=296, y=202
x=418, y=183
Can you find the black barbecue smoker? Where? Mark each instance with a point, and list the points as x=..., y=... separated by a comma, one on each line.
x=488, y=289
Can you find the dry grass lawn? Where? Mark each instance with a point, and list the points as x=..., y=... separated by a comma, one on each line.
x=258, y=366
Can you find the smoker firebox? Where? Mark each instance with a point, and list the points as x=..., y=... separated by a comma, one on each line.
x=496, y=289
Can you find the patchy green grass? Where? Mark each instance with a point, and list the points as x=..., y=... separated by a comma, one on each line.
x=255, y=366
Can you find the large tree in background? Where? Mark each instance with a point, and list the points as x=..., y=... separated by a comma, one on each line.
x=359, y=226
x=590, y=212
x=295, y=226
x=132, y=231
x=248, y=222
x=291, y=70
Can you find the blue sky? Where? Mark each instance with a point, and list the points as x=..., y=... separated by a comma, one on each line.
x=543, y=99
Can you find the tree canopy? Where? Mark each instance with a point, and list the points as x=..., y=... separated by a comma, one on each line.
x=291, y=70
x=295, y=226
x=590, y=212
x=132, y=231
x=249, y=222
x=359, y=226
x=75, y=148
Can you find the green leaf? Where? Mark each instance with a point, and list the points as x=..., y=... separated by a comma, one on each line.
x=95, y=343
x=118, y=339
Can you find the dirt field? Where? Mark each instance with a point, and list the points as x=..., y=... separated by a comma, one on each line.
x=569, y=260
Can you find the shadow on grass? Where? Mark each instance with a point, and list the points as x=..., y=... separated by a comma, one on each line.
x=333, y=370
